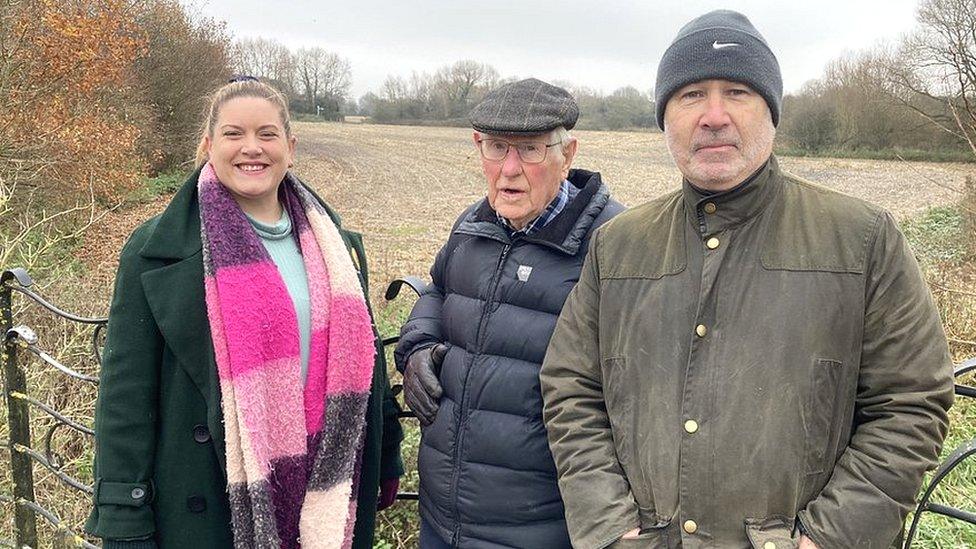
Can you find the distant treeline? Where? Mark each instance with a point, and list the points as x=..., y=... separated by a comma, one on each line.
x=860, y=107
x=315, y=81
x=449, y=93
x=916, y=98
x=96, y=94
x=318, y=81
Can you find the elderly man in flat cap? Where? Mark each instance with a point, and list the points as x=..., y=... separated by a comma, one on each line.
x=471, y=350
x=752, y=360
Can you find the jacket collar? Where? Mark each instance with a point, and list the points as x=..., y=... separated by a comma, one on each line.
x=565, y=232
x=177, y=231
x=725, y=210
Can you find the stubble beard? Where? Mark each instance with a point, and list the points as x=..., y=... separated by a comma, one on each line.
x=721, y=174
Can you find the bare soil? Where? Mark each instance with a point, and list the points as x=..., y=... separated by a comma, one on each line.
x=403, y=187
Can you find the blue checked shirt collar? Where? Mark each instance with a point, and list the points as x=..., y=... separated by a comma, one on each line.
x=567, y=191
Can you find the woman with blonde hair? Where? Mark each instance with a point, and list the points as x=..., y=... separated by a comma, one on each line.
x=244, y=400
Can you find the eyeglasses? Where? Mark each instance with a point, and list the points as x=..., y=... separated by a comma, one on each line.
x=243, y=78
x=530, y=152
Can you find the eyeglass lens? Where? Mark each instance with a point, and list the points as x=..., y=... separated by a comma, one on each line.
x=497, y=149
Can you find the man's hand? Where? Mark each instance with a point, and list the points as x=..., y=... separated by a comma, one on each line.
x=421, y=388
x=632, y=534
x=807, y=543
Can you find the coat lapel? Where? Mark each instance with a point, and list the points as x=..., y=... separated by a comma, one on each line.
x=176, y=296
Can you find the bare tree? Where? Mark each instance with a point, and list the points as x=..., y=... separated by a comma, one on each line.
x=936, y=75
x=856, y=106
x=322, y=75
x=336, y=73
x=809, y=121
x=267, y=59
x=368, y=104
x=864, y=114
x=394, y=89
x=460, y=84
x=185, y=59
x=419, y=88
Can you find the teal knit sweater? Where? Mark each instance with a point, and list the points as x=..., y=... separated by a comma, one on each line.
x=284, y=251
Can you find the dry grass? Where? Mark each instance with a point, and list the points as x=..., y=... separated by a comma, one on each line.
x=403, y=187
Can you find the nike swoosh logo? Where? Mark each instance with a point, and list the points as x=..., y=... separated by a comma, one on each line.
x=719, y=45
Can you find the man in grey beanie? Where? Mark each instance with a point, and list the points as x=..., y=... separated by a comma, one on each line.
x=752, y=360
x=471, y=351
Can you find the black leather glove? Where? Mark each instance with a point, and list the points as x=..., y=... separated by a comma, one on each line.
x=421, y=387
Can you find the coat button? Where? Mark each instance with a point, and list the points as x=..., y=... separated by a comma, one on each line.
x=712, y=243
x=691, y=426
x=701, y=330
x=690, y=526
x=201, y=434
x=137, y=493
x=710, y=208
x=196, y=504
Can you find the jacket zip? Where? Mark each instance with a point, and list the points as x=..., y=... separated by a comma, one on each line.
x=456, y=468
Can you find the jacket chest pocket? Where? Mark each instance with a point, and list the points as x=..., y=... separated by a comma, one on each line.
x=824, y=413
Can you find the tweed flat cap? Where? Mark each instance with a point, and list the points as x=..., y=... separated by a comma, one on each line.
x=528, y=106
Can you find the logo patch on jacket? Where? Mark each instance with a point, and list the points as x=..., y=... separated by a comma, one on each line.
x=523, y=272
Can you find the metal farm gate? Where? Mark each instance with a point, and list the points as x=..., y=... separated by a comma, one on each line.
x=20, y=344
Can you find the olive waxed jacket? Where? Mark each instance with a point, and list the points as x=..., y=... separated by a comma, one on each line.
x=731, y=364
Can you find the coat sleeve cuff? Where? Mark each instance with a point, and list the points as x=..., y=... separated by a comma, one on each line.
x=391, y=462
x=392, y=467
x=148, y=543
x=401, y=365
x=804, y=527
x=122, y=511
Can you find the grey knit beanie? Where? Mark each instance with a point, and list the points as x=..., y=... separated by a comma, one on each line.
x=721, y=44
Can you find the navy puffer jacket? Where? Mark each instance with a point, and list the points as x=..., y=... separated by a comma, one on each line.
x=487, y=479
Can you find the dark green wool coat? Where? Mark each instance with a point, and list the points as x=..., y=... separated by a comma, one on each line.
x=159, y=432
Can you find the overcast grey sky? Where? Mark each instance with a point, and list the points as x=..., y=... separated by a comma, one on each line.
x=603, y=45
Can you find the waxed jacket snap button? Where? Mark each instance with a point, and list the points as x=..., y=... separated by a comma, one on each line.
x=137, y=493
